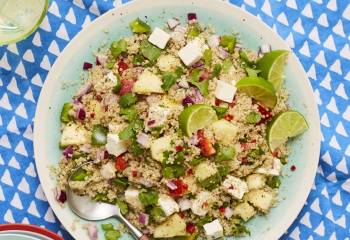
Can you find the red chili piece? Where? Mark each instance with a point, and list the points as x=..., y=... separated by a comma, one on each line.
x=217, y=102
x=180, y=190
x=122, y=66
x=228, y=117
x=63, y=197
x=190, y=227
x=120, y=163
x=105, y=155
x=204, y=75
x=92, y=115
x=222, y=209
x=190, y=172
x=179, y=148
x=134, y=173
x=265, y=113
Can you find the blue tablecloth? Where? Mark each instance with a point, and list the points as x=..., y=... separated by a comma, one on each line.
x=318, y=31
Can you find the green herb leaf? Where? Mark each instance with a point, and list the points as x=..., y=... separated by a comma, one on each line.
x=121, y=182
x=208, y=57
x=110, y=63
x=112, y=235
x=173, y=171
x=139, y=26
x=273, y=182
x=216, y=70
x=99, y=135
x=211, y=182
x=130, y=113
x=149, y=51
x=127, y=133
x=245, y=59
x=179, y=72
x=118, y=47
x=118, y=85
x=127, y=100
x=123, y=206
x=79, y=175
x=203, y=85
x=204, y=220
x=197, y=160
x=220, y=111
x=226, y=65
x=157, y=214
x=252, y=72
x=255, y=153
x=169, y=79
x=100, y=197
x=223, y=171
x=225, y=154
x=138, y=59
x=194, y=30
x=65, y=117
x=240, y=230
x=148, y=197
x=228, y=42
x=253, y=118
x=135, y=147
x=107, y=226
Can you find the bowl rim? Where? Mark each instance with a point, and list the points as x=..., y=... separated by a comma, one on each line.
x=305, y=188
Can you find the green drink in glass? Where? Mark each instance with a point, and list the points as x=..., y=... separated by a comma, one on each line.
x=20, y=18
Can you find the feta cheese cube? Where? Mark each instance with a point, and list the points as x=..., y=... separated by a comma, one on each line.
x=213, y=229
x=132, y=198
x=148, y=83
x=235, y=187
x=224, y=131
x=159, y=146
x=159, y=38
x=114, y=145
x=274, y=168
x=168, y=205
x=191, y=53
x=199, y=204
x=108, y=171
x=112, y=77
x=173, y=22
x=225, y=91
x=214, y=41
x=157, y=115
x=74, y=134
x=185, y=204
x=228, y=212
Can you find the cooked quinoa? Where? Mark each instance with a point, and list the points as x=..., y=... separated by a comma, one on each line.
x=122, y=138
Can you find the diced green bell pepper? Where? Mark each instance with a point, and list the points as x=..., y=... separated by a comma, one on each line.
x=65, y=117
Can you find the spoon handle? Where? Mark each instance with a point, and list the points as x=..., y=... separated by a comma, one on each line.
x=134, y=231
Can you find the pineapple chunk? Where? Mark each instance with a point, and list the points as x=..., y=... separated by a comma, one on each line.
x=256, y=181
x=224, y=131
x=74, y=134
x=204, y=170
x=168, y=63
x=244, y=211
x=148, y=83
x=174, y=226
x=159, y=146
x=261, y=199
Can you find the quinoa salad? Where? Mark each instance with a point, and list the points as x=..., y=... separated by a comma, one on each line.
x=182, y=128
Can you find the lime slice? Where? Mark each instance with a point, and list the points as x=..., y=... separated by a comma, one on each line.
x=259, y=89
x=196, y=117
x=283, y=126
x=272, y=67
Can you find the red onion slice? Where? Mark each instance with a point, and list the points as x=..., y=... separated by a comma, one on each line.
x=68, y=152
x=81, y=114
x=192, y=18
x=171, y=185
x=143, y=140
x=84, y=90
x=92, y=231
x=173, y=22
x=143, y=218
x=87, y=65
x=101, y=59
x=187, y=101
x=223, y=53
x=214, y=41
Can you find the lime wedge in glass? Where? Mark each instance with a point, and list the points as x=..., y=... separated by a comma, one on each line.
x=195, y=117
x=283, y=126
x=20, y=18
x=259, y=89
x=272, y=67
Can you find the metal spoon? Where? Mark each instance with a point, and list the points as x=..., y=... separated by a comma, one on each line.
x=85, y=208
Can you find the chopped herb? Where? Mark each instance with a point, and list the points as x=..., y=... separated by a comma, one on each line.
x=194, y=30
x=99, y=135
x=204, y=220
x=149, y=51
x=112, y=235
x=197, y=160
x=135, y=147
x=139, y=26
x=253, y=118
x=283, y=160
x=252, y=72
x=173, y=171
x=79, y=175
x=255, y=153
x=127, y=133
x=228, y=42
x=226, y=65
x=123, y=206
x=225, y=154
x=220, y=111
x=240, y=230
x=157, y=214
x=110, y=63
x=208, y=57
x=138, y=59
x=273, y=182
x=179, y=71
x=65, y=117
x=211, y=182
x=121, y=182
x=216, y=70
x=118, y=47
x=127, y=100
x=203, y=85
x=223, y=171
x=148, y=197
x=169, y=79
x=100, y=197
x=245, y=59
x=130, y=113
x=117, y=86
x=107, y=226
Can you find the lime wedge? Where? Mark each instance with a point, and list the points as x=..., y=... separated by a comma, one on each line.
x=196, y=117
x=259, y=89
x=283, y=126
x=272, y=67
